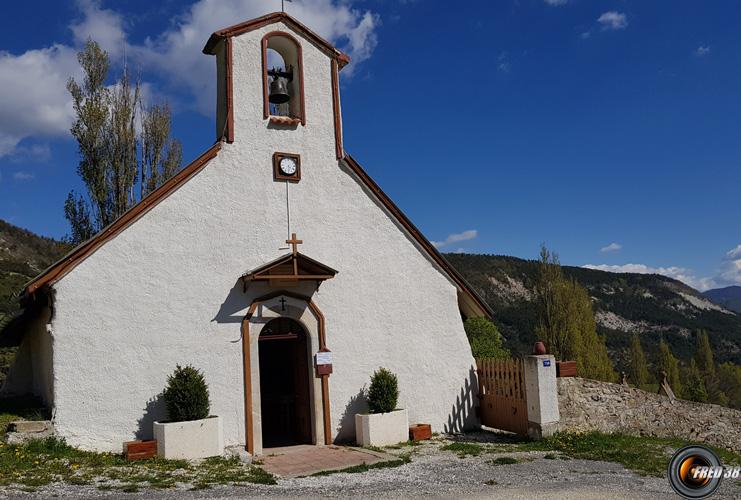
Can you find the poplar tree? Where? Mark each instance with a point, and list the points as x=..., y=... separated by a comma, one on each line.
x=566, y=321
x=114, y=154
x=704, y=355
x=161, y=155
x=706, y=367
x=637, y=366
x=669, y=364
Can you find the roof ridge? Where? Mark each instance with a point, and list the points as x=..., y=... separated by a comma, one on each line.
x=244, y=27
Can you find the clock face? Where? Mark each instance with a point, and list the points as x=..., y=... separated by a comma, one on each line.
x=288, y=166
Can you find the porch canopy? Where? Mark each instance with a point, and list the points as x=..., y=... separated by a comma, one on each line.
x=292, y=267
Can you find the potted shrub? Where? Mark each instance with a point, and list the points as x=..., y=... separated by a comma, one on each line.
x=190, y=432
x=385, y=424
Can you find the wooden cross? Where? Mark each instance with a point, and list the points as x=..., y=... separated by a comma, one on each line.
x=294, y=243
x=283, y=303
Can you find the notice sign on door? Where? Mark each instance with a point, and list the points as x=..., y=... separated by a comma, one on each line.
x=323, y=358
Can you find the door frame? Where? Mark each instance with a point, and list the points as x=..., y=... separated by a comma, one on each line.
x=304, y=310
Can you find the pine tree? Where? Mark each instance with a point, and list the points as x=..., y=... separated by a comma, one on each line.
x=669, y=364
x=637, y=366
x=566, y=321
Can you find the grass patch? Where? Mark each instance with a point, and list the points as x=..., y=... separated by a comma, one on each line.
x=551, y=456
x=52, y=460
x=647, y=456
x=464, y=449
x=356, y=469
x=402, y=445
x=491, y=482
x=504, y=461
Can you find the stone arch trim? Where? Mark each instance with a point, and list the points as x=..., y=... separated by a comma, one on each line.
x=247, y=365
x=299, y=70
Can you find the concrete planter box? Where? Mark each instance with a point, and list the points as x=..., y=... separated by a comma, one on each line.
x=382, y=429
x=188, y=440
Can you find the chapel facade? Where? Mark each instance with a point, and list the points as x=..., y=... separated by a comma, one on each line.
x=273, y=263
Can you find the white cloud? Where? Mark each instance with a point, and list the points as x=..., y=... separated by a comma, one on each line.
x=34, y=101
x=612, y=247
x=176, y=53
x=734, y=253
x=613, y=20
x=504, y=66
x=456, y=238
x=556, y=2
x=729, y=272
x=102, y=25
x=33, y=153
x=24, y=176
x=730, y=269
x=702, y=51
x=679, y=273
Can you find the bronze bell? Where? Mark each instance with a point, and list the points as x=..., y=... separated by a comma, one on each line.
x=279, y=91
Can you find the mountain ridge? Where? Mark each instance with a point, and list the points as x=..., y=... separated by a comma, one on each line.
x=728, y=297
x=651, y=305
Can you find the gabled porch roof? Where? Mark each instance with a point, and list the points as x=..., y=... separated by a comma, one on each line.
x=291, y=267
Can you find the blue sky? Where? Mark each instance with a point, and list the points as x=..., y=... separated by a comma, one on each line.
x=607, y=129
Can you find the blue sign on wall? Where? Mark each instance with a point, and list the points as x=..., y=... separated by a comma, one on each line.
x=546, y=362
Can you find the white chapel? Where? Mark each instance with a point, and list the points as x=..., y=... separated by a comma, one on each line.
x=271, y=248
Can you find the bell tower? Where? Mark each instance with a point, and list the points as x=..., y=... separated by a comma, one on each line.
x=277, y=83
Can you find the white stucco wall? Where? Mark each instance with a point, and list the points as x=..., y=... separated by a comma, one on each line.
x=166, y=290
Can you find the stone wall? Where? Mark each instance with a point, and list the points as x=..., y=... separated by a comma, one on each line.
x=592, y=405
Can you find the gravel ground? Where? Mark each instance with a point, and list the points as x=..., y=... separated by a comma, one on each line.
x=434, y=473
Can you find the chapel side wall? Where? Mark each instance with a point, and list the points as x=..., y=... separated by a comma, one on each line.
x=165, y=291
x=31, y=372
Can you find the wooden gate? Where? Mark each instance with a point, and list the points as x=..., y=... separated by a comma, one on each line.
x=502, y=394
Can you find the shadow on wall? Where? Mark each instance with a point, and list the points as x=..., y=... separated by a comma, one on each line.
x=345, y=432
x=235, y=302
x=155, y=411
x=463, y=413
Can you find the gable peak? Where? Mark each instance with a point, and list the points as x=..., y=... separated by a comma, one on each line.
x=275, y=17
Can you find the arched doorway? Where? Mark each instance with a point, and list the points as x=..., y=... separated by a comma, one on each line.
x=284, y=384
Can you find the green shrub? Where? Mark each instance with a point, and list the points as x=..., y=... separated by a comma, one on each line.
x=186, y=395
x=383, y=393
x=485, y=339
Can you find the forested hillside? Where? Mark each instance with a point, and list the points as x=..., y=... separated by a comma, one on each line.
x=23, y=255
x=652, y=306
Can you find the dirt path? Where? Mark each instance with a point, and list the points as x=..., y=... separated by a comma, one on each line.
x=436, y=473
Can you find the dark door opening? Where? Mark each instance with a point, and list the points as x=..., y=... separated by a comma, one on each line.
x=284, y=384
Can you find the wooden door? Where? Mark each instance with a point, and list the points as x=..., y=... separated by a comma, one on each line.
x=284, y=384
